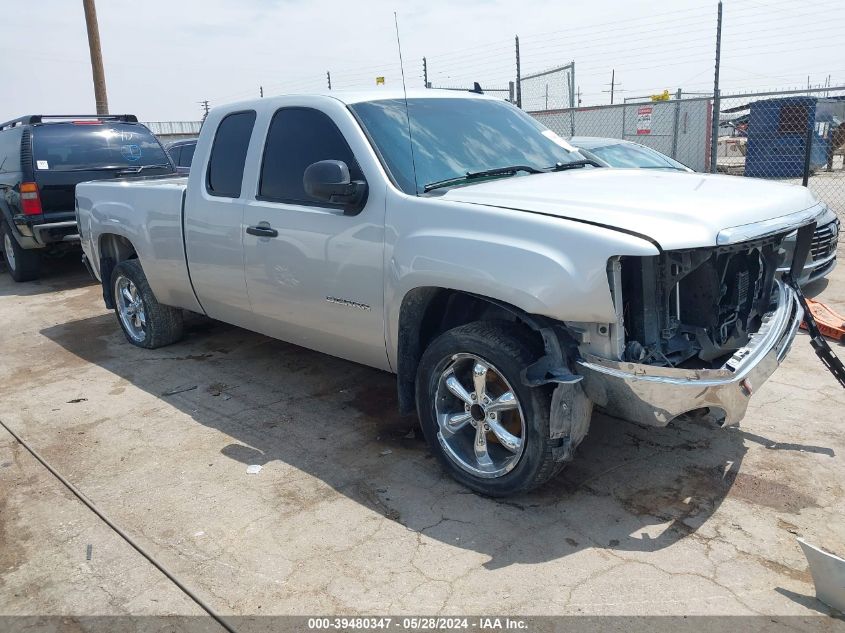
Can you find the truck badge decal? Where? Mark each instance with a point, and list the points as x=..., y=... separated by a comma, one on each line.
x=348, y=303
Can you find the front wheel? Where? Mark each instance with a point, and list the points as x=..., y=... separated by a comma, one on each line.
x=487, y=428
x=145, y=322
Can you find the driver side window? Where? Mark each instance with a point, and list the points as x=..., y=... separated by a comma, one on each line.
x=297, y=138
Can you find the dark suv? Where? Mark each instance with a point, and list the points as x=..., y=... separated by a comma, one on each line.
x=43, y=158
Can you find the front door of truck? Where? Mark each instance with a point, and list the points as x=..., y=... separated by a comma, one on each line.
x=314, y=274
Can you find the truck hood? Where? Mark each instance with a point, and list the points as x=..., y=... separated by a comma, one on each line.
x=674, y=209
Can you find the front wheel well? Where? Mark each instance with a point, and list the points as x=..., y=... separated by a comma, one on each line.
x=113, y=250
x=428, y=312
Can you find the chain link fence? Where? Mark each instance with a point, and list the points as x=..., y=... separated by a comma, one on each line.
x=795, y=137
x=548, y=90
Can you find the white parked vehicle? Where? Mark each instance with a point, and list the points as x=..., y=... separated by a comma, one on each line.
x=507, y=282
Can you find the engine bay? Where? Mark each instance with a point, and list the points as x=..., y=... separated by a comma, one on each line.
x=693, y=308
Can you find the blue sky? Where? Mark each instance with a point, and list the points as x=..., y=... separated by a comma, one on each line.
x=162, y=58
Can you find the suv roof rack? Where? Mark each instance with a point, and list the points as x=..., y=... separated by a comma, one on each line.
x=39, y=118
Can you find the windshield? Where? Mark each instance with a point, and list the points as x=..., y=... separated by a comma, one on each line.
x=623, y=155
x=83, y=146
x=456, y=136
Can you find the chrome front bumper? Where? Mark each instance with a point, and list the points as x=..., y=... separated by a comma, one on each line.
x=656, y=395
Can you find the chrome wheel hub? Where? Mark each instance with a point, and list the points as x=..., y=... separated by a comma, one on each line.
x=481, y=426
x=9, y=251
x=130, y=308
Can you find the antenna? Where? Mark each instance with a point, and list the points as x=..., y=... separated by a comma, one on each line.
x=407, y=110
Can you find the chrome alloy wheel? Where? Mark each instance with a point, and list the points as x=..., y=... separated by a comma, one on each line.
x=10, y=253
x=130, y=308
x=481, y=426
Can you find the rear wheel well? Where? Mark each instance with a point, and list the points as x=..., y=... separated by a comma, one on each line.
x=113, y=250
x=428, y=312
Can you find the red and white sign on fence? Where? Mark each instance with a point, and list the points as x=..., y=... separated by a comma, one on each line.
x=644, y=119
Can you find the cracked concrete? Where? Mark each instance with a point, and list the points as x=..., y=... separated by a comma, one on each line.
x=350, y=514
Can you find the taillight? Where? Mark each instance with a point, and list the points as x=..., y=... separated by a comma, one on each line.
x=30, y=200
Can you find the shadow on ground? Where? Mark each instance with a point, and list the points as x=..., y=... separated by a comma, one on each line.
x=57, y=273
x=630, y=488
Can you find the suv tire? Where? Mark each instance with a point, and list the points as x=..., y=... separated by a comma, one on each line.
x=145, y=322
x=512, y=453
x=23, y=264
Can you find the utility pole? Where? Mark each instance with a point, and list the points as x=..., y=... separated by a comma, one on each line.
x=425, y=73
x=261, y=91
x=329, y=79
x=205, y=108
x=612, y=85
x=99, y=74
x=717, y=102
x=518, y=75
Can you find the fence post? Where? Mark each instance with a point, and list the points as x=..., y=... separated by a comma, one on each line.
x=717, y=104
x=676, y=124
x=518, y=75
x=572, y=98
x=808, y=148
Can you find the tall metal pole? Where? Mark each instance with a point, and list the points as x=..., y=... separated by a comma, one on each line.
x=102, y=101
x=808, y=146
x=518, y=76
x=717, y=101
x=572, y=99
x=612, y=84
x=676, y=124
x=425, y=73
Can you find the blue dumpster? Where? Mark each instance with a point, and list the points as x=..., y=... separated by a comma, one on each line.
x=777, y=137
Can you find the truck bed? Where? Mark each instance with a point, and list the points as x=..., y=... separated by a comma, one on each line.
x=148, y=213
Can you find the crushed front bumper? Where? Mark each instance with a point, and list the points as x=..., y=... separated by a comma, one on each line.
x=656, y=395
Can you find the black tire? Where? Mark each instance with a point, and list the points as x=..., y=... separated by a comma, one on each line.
x=23, y=264
x=509, y=349
x=163, y=324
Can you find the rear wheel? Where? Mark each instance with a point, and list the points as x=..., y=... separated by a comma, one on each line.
x=23, y=264
x=488, y=429
x=145, y=322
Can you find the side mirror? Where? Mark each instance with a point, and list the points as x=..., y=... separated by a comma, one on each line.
x=329, y=181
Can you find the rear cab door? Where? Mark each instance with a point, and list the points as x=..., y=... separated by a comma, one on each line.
x=213, y=216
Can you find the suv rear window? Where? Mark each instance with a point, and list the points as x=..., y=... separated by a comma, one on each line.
x=91, y=146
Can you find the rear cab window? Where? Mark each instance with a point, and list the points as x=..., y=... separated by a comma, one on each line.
x=228, y=154
x=91, y=146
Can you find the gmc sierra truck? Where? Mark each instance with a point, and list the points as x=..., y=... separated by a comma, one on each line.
x=509, y=283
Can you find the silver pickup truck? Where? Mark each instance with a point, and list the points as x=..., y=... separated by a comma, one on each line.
x=452, y=240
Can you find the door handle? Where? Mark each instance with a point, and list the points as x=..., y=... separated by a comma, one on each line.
x=262, y=231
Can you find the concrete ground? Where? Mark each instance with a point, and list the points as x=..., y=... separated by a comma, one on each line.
x=350, y=514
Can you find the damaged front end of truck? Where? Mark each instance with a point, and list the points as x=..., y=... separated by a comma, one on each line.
x=698, y=329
